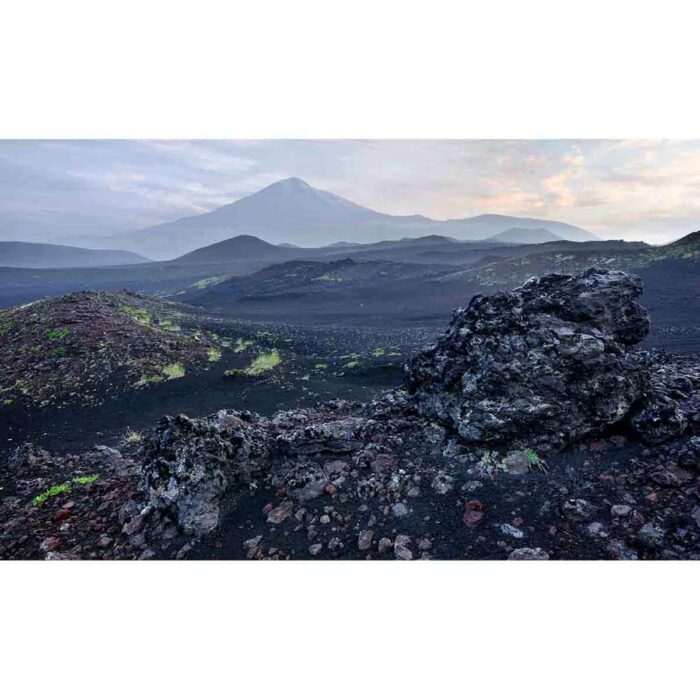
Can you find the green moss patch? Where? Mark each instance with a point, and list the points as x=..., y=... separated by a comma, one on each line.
x=57, y=333
x=138, y=315
x=260, y=365
x=175, y=370
x=86, y=480
x=50, y=493
x=208, y=282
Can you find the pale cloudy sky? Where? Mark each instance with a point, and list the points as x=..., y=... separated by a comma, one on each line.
x=647, y=190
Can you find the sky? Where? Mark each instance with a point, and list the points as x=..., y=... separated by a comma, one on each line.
x=636, y=190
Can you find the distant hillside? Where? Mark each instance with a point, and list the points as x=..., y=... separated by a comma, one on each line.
x=47, y=255
x=287, y=288
x=525, y=235
x=238, y=248
x=692, y=239
x=293, y=212
x=302, y=276
x=382, y=291
x=489, y=225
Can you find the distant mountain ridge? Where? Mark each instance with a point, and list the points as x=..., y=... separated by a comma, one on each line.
x=293, y=212
x=48, y=255
x=526, y=235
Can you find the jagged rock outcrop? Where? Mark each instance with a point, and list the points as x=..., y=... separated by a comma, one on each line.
x=544, y=365
x=451, y=467
x=190, y=463
x=671, y=403
x=540, y=367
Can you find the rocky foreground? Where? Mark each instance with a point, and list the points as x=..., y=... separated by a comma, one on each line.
x=531, y=430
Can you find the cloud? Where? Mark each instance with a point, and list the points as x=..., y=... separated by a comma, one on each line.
x=623, y=188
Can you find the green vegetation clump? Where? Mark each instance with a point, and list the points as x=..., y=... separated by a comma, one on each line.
x=174, y=371
x=532, y=457
x=168, y=325
x=19, y=385
x=320, y=365
x=353, y=363
x=60, y=352
x=208, y=282
x=327, y=278
x=86, y=480
x=132, y=436
x=213, y=354
x=261, y=364
x=265, y=362
x=150, y=379
x=57, y=333
x=50, y=493
x=378, y=352
x=140, y=316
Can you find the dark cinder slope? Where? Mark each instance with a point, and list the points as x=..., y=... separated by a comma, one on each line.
x=88, y=346
x=342, y=291
x=47, y=255
x=239, y=248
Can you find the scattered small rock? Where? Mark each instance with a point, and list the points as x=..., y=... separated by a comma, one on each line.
x=364, y=540
x=281, y=513
x=528, y=554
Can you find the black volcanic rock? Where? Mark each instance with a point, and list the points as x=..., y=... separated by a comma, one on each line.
x=191, y=463
x=671, y=403
x=542, y=366
x=515, y=374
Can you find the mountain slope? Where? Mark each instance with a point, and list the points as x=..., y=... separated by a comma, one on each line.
x=488, y=225
x=47, y=255
x=525, y=235
x=291, y=211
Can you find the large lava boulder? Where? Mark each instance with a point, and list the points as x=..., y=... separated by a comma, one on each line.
x=189, y=464
x=541, y=366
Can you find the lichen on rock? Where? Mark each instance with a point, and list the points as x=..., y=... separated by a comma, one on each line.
x=189, y=464
x=543, y=365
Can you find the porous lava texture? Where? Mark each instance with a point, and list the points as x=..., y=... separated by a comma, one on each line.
x=541, y=366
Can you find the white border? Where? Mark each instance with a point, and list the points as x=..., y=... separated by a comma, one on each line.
x=320, y=69
x=360, y=69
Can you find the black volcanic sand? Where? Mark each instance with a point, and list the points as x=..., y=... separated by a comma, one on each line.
x=359, y=362
x=525, y=510
x=437, y=517
x=603, y=473
x=336, y=341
